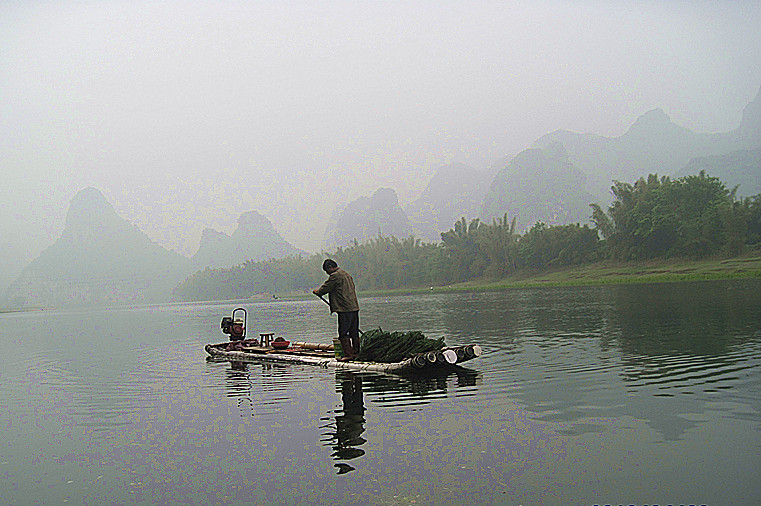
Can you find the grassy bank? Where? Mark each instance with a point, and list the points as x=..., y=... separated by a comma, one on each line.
x=640, y=272
x=660, y=271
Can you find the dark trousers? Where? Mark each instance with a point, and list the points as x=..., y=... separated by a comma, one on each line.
x=348, y=332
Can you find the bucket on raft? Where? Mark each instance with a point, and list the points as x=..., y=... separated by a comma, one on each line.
x=337, y=348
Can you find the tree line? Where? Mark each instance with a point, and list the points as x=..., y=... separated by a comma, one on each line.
x=655, y=217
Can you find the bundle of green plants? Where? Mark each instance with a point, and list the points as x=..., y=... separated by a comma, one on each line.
x=380, y=346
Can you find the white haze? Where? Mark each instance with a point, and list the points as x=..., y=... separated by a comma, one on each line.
x=186, y=114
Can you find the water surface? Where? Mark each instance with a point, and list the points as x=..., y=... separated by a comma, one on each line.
x=596, y=395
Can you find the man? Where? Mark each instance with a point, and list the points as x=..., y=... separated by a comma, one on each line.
x=343, y=300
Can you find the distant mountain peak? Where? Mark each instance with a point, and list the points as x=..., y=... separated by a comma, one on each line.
x=750, y=125
x=539, y=184
x=553, y=153
x=253, y=219
x=210, y=235
x=89, y=207
x=652, y=121
x=454, y=191
x=255, y=239
x=366, y=217
x=99, y=257
x=385, y=196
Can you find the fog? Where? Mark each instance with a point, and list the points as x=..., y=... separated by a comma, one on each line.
x=186, y=114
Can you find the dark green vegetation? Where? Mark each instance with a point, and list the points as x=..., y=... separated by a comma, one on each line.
x=388, y=347
x=692, y=217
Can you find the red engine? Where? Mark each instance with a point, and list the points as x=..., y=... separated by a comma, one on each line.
x=235, y=325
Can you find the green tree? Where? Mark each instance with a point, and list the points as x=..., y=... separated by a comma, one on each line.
x=544, y=246
x=656, y=217
x=465, y=259
x=498, y=242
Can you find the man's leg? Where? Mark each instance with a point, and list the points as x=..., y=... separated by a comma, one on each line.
x=344, y=334
x=354, y=333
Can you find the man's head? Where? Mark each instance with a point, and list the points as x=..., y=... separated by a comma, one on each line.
x=329, y=265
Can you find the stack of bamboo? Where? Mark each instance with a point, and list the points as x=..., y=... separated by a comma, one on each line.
x=388, y=347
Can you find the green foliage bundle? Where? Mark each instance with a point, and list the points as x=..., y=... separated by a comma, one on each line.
x=388, y=347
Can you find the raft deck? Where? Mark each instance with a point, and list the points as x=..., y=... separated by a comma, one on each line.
x=444, y=358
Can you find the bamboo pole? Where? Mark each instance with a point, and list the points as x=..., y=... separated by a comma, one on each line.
x=313, y=346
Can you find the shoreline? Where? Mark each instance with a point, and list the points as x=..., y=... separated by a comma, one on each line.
x=607, y=273
x=603, y=273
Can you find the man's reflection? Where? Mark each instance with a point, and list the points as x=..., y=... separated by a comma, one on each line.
x=350, y=424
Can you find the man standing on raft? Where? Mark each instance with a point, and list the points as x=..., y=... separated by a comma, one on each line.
x=343, y=300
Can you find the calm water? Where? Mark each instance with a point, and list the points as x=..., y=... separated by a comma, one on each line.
x=602, y=395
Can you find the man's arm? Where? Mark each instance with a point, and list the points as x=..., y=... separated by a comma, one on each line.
x=326, y=287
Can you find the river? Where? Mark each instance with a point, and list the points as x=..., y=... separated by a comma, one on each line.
x=638, y=394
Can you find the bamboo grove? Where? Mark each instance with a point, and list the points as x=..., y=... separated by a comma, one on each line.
x=656, y=217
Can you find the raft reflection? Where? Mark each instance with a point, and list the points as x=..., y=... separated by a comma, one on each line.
x=344, y=432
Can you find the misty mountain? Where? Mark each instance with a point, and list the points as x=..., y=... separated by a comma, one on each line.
x=653, y=144
x=367, y=217
x=254, y=239
x=748, y=134
x=739, y=168
x=100, y=257
x=539, y=184
x=456, y=190
x=13, y=258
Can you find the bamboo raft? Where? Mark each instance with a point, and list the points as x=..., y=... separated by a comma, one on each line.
x=323, y=355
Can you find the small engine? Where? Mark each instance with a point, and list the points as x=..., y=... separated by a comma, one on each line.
x=235, y=326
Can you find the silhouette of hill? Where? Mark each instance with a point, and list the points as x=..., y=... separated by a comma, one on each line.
x=13, y=258
x=367, y=217
x=739, y=168
x=748, y=134
x=456, y=190
x=653, y=144
x=539, y=184
x=100, y=257
x=254, y=239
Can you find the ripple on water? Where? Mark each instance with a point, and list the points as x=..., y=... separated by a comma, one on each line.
x=685, y=373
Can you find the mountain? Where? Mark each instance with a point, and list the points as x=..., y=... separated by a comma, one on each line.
x=100, y=257
x=456, y=190
x=367, y=217
x=539, y=184
x=13, y=258
x=748, y=134
x=254, y=239
x=739, y=168
x=653, y=144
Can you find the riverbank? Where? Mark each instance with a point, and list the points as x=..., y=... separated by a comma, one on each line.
x=603, y=273
x=655, y=271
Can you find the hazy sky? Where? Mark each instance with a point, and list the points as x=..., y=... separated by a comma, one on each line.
x=186, y=114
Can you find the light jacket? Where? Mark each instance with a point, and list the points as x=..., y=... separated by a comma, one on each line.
x=341, y=292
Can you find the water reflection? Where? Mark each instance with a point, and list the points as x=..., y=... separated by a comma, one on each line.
x=422, y=387
x=345, y=435
x=262, y=389
x=345, y=428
